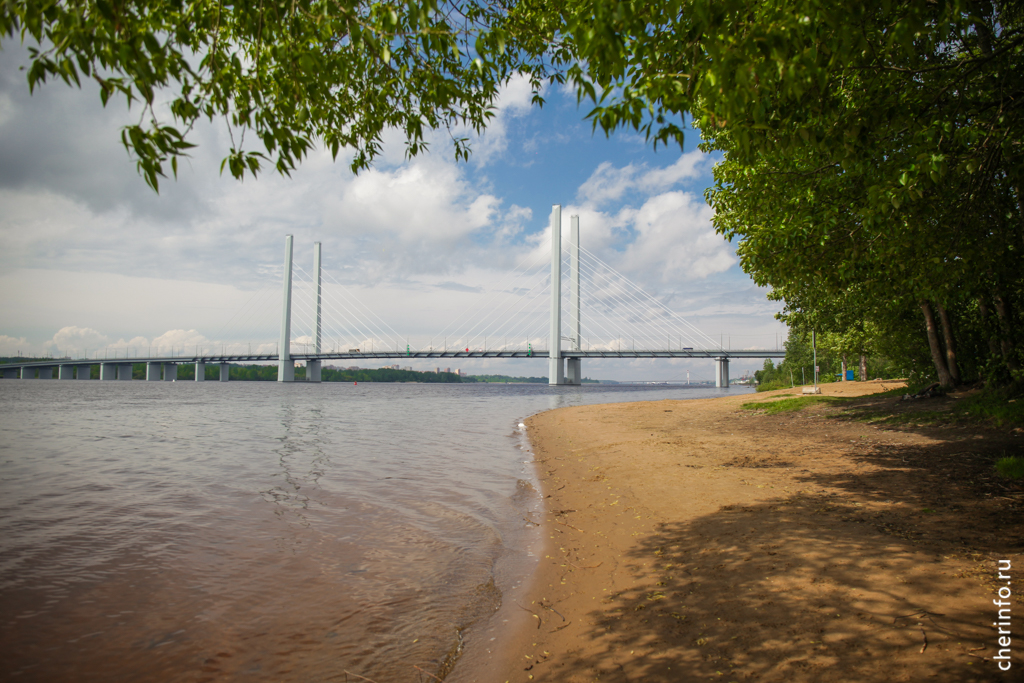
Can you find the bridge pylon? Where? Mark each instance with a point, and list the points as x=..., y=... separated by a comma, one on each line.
x=285, y=364
x=556, y=373
x=313, y=366
x=570, y=371
x=573, y=366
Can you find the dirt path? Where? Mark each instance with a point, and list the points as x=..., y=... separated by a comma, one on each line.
x=696, y=540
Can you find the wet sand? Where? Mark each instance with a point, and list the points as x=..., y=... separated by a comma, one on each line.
x=696, y=540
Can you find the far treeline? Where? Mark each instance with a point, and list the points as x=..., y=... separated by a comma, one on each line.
x=871, y=152
x=798, y=366
x=497, y=379
x=269, y=373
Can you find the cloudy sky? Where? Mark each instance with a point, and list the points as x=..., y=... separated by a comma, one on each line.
x=422, y=252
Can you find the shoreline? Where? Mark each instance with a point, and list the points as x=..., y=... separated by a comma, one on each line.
x=694, y=539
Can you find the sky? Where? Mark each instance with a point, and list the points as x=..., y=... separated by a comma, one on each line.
x=419, y=252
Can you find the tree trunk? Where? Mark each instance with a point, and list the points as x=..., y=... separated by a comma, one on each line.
x=947, y=335
x=933, y=345
x=863, y=368
x=844, y=369
x=993, y=340
x=1006, y=327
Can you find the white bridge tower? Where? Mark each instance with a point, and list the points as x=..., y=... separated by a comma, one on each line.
x=556, y=369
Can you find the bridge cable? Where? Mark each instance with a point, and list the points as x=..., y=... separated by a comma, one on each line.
x=669, y=311
x=658, y=303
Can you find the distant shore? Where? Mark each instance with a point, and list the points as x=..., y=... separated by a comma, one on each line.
x=698, y=540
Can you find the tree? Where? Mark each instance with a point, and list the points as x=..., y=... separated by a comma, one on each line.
x=291, y=73
x=873, y=152
x=872, y=147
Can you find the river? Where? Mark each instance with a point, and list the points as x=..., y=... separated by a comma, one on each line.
x=264, y=532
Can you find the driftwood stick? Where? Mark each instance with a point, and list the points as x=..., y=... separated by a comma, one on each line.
x=917, y=614
x=568, y=525
x=362, y=678
x=586, y=566
x=549, y=607
x=427, y=672
x=539, y=620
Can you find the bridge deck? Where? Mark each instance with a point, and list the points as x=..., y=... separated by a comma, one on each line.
x=398, y=355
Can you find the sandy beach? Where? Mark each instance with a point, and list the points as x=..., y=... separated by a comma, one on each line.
x=697, y=540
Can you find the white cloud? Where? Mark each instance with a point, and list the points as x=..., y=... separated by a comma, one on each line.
x=674, y=239
x=72, y=340
x=662, y=238
x=10, y=346
x=608, y=183
x=179, y=341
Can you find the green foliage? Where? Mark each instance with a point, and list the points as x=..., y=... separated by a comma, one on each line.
x=789, y=405
x=501, y=379
x=244, y=373
x=291, y=73
x=1011, y=467
x=386, y=375
x=798, y=366
x=268, y=373
x=997, y=406
x=872, y=154
x=496, y=379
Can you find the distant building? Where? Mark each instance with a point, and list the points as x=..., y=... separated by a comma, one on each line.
x=437, y=371
x=448, y=370
x=408, y=369
x=353, y=367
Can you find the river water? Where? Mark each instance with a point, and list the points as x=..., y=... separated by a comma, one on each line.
x=264, y=532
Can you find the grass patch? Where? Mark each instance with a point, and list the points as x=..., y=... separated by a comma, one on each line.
x=1011, y=467
x=772, y=386
x=789, y=405
x=1000, y=407
x=917, y=417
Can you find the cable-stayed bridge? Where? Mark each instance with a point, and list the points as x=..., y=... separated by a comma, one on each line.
x=566, y=307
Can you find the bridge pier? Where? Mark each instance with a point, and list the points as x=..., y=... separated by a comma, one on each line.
x=66, y=372
x=573, y=370
x=200, y=372
x=11, y=373
x=225, y=372
x=124, y=371
x=46, y=372
x=108, y=371
x=722, y=372
x=153, y=372
x=84, y=372
x=170, y=372
x=27, y=373
x=313, y=370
